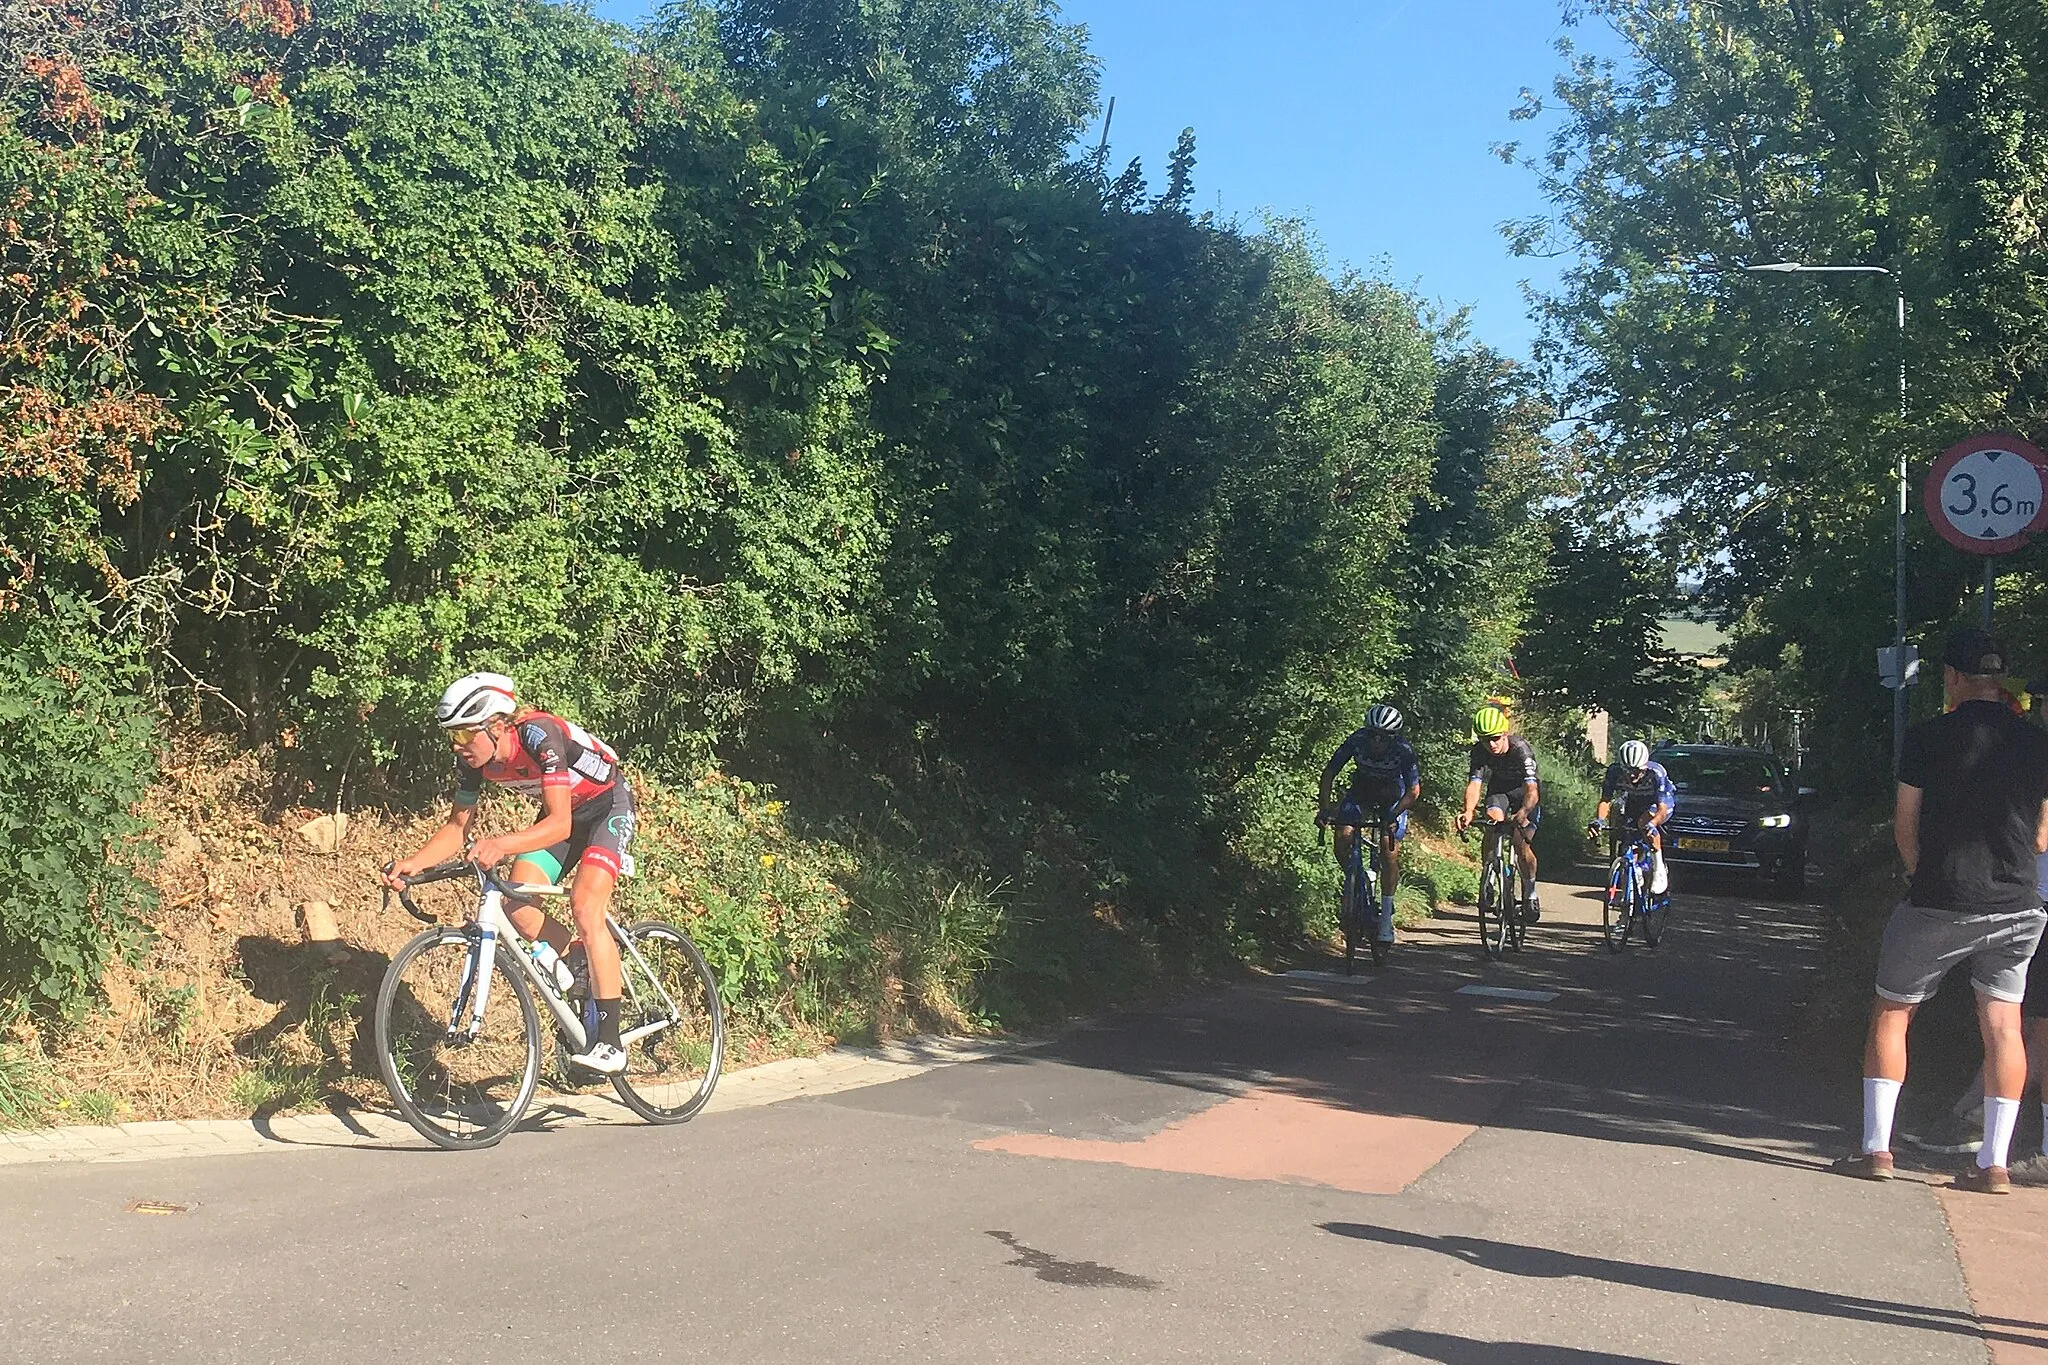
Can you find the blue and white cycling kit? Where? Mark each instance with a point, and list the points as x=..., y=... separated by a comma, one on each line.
x=1378, y=781
x=1640, y=794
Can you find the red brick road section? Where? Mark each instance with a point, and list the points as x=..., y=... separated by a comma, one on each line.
x=1272, y=1135
x=2003, y=1245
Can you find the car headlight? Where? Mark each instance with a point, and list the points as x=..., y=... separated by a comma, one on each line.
x=1775, y=821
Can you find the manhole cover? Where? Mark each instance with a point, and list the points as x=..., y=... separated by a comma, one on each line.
x=158, y=1206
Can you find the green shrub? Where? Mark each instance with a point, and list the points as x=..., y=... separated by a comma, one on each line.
x=24, y=1088
x=1570, y=796
x=94, y=1106
x=275, y=1084
x=79, y=756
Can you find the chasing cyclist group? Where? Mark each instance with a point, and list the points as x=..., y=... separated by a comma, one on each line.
x=1386, y=782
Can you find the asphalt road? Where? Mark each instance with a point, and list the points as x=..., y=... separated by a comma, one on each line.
x=1299, y=1169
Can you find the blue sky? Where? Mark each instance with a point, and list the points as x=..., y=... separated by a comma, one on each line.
x=1370, y=119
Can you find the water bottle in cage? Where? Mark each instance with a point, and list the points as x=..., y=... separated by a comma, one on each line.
x=550, y=962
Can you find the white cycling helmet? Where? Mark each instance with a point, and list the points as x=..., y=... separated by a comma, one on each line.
x=1384, y=719
x=1635, y=755
x=474, y=699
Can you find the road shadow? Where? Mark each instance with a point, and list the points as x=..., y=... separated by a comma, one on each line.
x=323, y=1008
x=1542, y=1263
x=1450, y=1350
x=1686, y=1047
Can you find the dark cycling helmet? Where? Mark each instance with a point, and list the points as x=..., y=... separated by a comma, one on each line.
x=1384, y=719
x=1635, y=755
x=474, y=699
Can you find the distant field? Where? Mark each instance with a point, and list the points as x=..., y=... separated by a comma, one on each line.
x=1693, y=637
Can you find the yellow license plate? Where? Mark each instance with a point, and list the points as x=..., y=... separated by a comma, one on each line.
x=1705, y=845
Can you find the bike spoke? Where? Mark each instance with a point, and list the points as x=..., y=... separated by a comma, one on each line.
x=460, y=1080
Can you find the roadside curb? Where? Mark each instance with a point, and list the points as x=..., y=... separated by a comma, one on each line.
x=844, y=1068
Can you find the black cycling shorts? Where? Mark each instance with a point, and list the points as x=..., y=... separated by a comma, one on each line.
x=599, y=831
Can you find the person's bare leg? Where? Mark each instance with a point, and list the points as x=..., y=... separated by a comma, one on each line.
x=2005, y=1076
x=1525, y=861
x=2037, y=1069
x=590, y=900
x=1884, y=1072
x=533, y=923
x=1884, y=1050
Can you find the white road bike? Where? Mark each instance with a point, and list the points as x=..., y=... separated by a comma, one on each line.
x=458, y=1035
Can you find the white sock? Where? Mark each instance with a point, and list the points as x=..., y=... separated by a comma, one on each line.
x=1880, y=1102
x=1999, y=1117
x=1386, y=917
x=1660, y=880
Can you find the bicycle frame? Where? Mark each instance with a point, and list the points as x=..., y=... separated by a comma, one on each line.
x=1634, y=846
x=491, y=924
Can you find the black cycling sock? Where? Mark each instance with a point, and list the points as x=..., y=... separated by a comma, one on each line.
x=608, y=1022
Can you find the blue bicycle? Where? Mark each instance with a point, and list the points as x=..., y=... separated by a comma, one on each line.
x=1358, y=899
x=1629, y=903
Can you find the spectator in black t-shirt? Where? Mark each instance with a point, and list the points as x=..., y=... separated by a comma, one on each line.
x=1970, y=816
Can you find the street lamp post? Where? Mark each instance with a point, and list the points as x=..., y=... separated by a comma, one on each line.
x=1899, y=523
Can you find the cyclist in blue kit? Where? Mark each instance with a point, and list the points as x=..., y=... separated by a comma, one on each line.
x=1386, y=782
x=1647, y=797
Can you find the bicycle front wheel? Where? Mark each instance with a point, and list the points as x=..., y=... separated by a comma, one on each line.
x=1655, y=910
x=1376, y=890
x=671, y=1023
x=1615, y=913
x=1348, y=917
x=462, y=1082
x=1493, y=907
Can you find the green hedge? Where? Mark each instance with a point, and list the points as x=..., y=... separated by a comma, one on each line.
x=78, y=755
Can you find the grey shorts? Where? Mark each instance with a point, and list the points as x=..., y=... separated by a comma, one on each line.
x=2035, y=1006
x=1921, y=946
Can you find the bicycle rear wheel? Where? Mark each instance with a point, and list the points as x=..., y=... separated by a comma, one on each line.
x=460, y=1083
x=672, y=1024
x=1615, y=913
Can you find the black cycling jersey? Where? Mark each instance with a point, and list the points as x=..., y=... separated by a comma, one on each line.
x=1503, y=774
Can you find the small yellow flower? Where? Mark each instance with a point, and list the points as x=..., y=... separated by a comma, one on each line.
x=767, y=860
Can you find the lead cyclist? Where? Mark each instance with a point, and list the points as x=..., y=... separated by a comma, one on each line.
x=586, y=821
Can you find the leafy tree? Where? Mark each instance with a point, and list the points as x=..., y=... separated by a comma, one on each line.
x=1596, y=642
x=1760, y=413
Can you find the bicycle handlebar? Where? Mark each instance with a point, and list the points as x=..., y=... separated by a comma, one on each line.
x=440, y=872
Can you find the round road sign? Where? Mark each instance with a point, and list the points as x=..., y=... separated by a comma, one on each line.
x=1987, y=493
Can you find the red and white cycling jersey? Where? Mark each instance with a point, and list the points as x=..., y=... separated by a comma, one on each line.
x=547, y=752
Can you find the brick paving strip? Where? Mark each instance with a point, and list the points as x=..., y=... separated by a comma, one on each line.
x=2003, y=1246
x=845, y=1068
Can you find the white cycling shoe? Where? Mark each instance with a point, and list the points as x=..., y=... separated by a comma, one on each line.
x=602, y=1058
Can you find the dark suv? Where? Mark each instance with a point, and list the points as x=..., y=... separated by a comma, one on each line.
x=1736, y=809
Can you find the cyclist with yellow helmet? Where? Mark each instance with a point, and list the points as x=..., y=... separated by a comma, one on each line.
x=1504, y=772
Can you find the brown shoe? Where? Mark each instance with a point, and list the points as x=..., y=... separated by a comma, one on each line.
x=1868, y=1166
x=1984, y=1180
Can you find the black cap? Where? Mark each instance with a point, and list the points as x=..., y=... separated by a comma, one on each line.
x=1974, y=651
